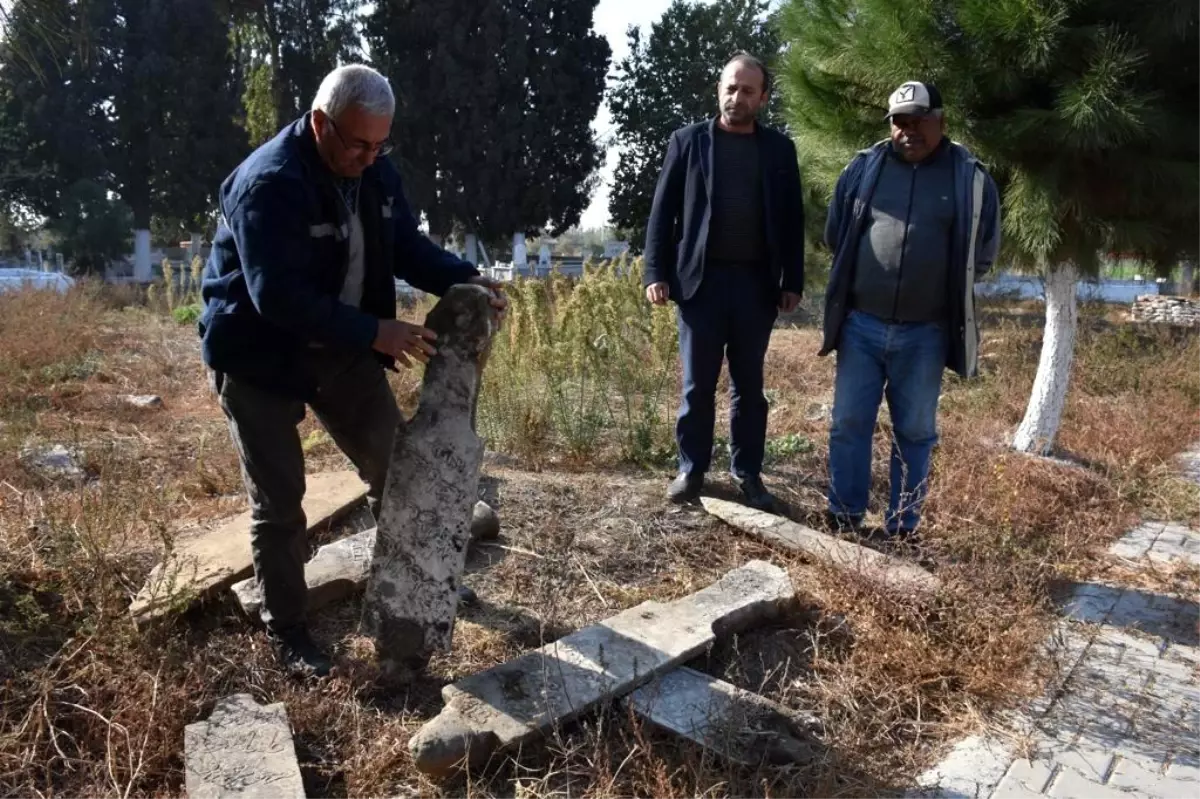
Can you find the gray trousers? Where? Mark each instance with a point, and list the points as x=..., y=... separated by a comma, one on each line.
x=356, y=406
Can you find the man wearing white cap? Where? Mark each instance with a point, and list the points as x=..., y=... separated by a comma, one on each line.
x=913, y=221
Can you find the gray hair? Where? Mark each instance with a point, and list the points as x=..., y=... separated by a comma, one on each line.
x=355, y=84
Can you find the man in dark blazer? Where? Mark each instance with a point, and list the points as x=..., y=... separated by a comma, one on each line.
x=725, y=242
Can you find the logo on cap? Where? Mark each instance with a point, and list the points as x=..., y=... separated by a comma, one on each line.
x=905, y=93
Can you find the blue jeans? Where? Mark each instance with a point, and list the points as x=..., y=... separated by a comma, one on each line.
x=729, y=317
x=905, y=361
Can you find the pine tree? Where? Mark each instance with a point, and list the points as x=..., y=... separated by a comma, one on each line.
x=1085, y=112
x=668, y=80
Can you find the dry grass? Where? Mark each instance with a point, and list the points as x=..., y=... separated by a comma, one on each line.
x=90, y=707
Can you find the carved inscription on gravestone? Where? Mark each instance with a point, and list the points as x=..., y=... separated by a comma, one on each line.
x=432, y=486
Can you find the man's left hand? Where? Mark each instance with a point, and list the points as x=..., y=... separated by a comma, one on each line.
x=499, y=301
x=788, y=301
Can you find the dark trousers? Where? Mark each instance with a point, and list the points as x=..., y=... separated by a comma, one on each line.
x=356, y=406
x=730, y=317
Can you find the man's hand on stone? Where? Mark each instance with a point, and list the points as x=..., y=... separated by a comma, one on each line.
x=499, y=301
x=657, y=293
x=788, y=301
x=403, y=341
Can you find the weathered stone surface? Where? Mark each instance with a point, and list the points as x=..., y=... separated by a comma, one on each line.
x=243, y=750
x=211, y=562
x=886, y=570
x=432, y=485
x=337, y=570
x=509, y=704
x=143, y=400
x=739, y=725
x=55, y=463
x=340, y=569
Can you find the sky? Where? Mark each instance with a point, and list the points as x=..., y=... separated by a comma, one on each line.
x=611, y=20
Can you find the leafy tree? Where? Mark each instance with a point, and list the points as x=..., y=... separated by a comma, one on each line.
x=668, y=80
x=495, y=101
x=1085, y=111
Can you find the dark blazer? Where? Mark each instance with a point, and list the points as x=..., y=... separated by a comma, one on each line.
x=279, y=257
x=677, y=233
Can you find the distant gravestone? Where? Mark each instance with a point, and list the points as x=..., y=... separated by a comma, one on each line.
x=432, y=486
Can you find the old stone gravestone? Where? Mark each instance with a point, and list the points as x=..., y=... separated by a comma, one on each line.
x=432, y=485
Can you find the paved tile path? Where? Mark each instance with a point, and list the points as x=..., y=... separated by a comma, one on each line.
x=1123, y=718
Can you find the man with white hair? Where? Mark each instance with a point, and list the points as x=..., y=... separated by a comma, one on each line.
x=300, y=308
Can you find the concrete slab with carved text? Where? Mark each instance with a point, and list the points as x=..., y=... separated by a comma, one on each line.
x=736, y=724
x=432, y=486
x=243, y=750
x=514, y=702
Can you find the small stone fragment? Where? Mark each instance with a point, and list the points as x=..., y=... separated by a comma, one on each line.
x=143, y=400
x=485, y=523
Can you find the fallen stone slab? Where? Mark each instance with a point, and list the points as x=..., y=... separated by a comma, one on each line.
x=211, y=562
x=411, y=599
x=243, y=749
x=510, y=704
x=739, y=725
x=340, y=569
x=884, y=569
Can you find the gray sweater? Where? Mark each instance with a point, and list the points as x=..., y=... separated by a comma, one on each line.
x=903, y=256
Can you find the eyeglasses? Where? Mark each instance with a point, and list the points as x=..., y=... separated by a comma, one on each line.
x=382, y=148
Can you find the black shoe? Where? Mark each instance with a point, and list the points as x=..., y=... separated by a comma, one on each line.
x=841, y=523
x=755, y=493
x=685, y=488
x=299, y=655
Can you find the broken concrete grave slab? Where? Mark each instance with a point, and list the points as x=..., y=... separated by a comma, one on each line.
x=214, y=560
x=882, y=568
x=512, y=703
x=432, y=485
x=739, y=725
x=340, y=569
x=243, y=749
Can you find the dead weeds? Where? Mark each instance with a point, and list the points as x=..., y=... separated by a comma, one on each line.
x=88, y=706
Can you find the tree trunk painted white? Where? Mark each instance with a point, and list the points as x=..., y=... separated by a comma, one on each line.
x=520, y=255
x=472, y=249
x=141, y=256
x=195, y=242
x=1187, y=278
x=1049, y=396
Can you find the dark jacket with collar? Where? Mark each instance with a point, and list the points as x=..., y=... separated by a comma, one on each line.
x=677, y=232
x=280, y=255
x=974, y=245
